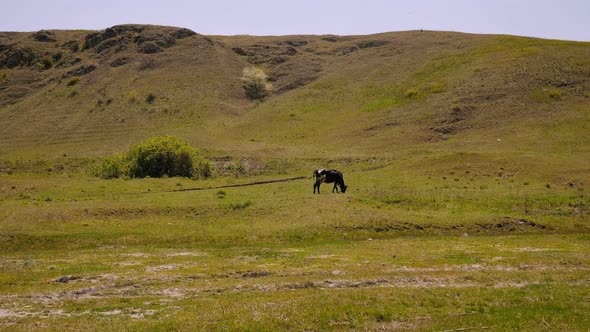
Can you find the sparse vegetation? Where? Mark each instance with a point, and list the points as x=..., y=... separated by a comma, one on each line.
x=45, y=63
x=132, y=97
x=150, y=98
x=255, y=83
x=239, y=205
x=545, y=95
x=73, y=81
x=147, y=62
x=411, y=93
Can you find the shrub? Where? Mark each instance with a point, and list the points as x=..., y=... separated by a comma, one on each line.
x=161, y=156
x=239, y=205
x=411, y=93
x=166, y=156
x=255, y=83
x=73, y=81
x=109, y=168
x=150, y=98
x=45, y=63
x=132, y=96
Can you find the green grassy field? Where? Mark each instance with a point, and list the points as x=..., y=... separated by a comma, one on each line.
x=466, y=158
x=397, y=251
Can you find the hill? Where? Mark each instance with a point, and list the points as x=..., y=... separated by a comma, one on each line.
x=427, y=96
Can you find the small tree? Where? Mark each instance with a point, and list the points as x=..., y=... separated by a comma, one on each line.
x=255, y=83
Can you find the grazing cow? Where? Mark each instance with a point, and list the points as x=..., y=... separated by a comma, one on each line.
x=328, y=176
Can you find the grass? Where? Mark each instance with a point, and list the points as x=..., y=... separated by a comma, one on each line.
x=486, y=226
x=388, y=254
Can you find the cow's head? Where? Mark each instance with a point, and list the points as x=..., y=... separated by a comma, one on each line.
x=343, y=188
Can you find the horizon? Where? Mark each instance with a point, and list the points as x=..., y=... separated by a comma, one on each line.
x=300, y=34
x=539, y=19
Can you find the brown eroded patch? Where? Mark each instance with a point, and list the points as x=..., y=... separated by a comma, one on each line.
x=502, y=225
x=165, y=267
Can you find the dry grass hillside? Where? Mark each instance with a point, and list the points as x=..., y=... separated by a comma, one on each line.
x=390, y=95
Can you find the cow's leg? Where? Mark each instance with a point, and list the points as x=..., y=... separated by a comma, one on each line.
x=335, y=188
x=316, y=185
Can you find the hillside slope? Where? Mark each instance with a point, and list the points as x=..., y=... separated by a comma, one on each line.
x=423, y=97
x=91, y=89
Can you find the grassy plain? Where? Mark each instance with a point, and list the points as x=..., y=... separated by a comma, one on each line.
x=398, y=251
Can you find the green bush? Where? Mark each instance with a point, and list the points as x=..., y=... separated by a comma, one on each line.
x=166, y=155
x=150, y=98
x=110, y=168
x=161, y=156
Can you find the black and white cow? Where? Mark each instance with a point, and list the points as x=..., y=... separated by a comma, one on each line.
x=328, y=176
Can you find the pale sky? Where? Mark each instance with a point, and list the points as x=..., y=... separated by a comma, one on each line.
x=565, y=19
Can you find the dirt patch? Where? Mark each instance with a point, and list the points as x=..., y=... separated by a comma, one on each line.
x=483, y=267
x=254, y=274
x=453, y=123
x=186, y=253
x=136, y=254
x=508, y=224
x=245, y=274
x=166, y=267
x=134, y=313
x=503, y=225
x=237, y=167
x=320, y=256
x=66, y=279
x=382, y=126
x=530, y=249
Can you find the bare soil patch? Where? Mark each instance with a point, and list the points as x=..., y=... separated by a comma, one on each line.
x=504, y=225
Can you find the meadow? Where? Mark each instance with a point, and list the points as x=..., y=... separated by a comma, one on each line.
x=398, y=251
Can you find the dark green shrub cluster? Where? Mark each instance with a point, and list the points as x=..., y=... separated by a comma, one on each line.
x=150, y=98
x=156, y=157
x=73, y=81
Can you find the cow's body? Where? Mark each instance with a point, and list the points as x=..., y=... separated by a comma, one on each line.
x=328, y=176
